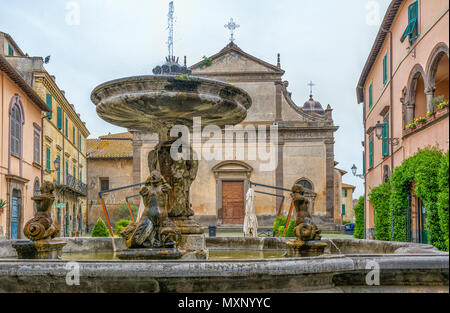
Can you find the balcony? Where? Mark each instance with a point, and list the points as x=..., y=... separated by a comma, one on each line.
x=74, y=185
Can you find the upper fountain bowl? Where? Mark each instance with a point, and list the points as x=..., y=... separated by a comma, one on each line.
x=159, y=102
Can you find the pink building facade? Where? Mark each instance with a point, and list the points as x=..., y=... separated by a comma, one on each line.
x=20, y=150
x=404, y=80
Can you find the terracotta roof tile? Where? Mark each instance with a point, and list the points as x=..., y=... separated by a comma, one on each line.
x=110, y=146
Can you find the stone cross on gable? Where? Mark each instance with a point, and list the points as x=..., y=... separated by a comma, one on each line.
x=311, y=85
x=232, y=26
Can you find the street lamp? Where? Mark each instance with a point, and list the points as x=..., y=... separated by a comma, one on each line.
x=379, y=127
x=57, y=163
x=354, y=169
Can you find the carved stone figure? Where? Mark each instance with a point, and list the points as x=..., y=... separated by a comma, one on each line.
x=305, y=229
x=41, y=225
x=308, y=241
x=154, y=229
x=179, y=173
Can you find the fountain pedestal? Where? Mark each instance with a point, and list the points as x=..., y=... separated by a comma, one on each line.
x=40, y=230
x=41, y=249
x=168, y=104
x=305, y=249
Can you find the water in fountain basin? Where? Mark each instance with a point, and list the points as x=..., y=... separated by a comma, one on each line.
x=325, y=237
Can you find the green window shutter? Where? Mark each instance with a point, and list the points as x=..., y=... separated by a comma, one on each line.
x=49, y=162
x=412, y=30
x=370, y=96
x=59, y=117
x=385, y=73
x=364, y=163
x=81, y=176
x=385, y=137
x=49, y=102
x=74, y=172
x=59, y=173
x=67, y=172
x=73, y=135
x=10, y=51
x=67, y=127
x=343, y=209
x=79, y=142
x=371, y=153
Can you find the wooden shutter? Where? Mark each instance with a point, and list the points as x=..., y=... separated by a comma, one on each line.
x=370, y=96
x=59, y=172
x=385, y=137
x=73, y=133
x=385, y=74
x=370, y=152
x=37, y=147
x=343, y=209
x=49, y=102
x=59, y=117
x=48, y=159
x=364, y=163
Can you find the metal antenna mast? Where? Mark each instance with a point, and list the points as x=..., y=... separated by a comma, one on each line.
x=170, y=27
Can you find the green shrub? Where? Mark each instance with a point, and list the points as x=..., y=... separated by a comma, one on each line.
x=100, y=229
x=121, y=225
x=443, y=199
x=124, y=212
x=279, y=225
x=380, y=199
x=359, y=219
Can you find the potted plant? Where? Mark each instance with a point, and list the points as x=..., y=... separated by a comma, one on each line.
x=411, y=127
x=431, y=115
x=2, y=205
x=442, y=108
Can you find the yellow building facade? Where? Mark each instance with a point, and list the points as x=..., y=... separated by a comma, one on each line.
x=64, y=149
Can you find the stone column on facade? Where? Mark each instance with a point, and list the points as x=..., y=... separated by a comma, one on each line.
x=137, y=146
x=329, y=146
x=429, y=92
x=279, y=174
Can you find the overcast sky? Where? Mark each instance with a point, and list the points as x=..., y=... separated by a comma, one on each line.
x=93, y=41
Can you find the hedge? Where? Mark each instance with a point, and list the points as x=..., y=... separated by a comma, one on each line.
x=359, y=219
x=380, y=199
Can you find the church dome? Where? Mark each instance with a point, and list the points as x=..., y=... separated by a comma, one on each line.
x=312, y=106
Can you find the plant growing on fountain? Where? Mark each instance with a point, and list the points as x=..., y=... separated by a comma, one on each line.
x=100, y=229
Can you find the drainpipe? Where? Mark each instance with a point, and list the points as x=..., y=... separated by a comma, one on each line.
x=391, y=126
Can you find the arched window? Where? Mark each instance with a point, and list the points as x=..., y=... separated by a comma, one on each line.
x=16, y=131
x=305, y=183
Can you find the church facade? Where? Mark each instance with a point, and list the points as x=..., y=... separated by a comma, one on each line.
x=304, y=148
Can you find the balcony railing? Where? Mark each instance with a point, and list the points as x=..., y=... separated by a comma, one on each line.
x=75, y=185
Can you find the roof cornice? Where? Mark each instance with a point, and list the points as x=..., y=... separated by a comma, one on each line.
x=17, y=78
x=232, y=47
x=391, y=13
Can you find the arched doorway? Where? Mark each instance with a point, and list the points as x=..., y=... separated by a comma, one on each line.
x=232, y=183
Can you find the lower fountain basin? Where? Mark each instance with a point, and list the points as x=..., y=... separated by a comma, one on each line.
x=404, y=267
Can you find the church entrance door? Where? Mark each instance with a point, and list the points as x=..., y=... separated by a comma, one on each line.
x=233, y=202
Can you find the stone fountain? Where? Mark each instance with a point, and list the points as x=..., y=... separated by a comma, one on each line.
x=308, y=242
x=161, y=103
x=40, y=230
